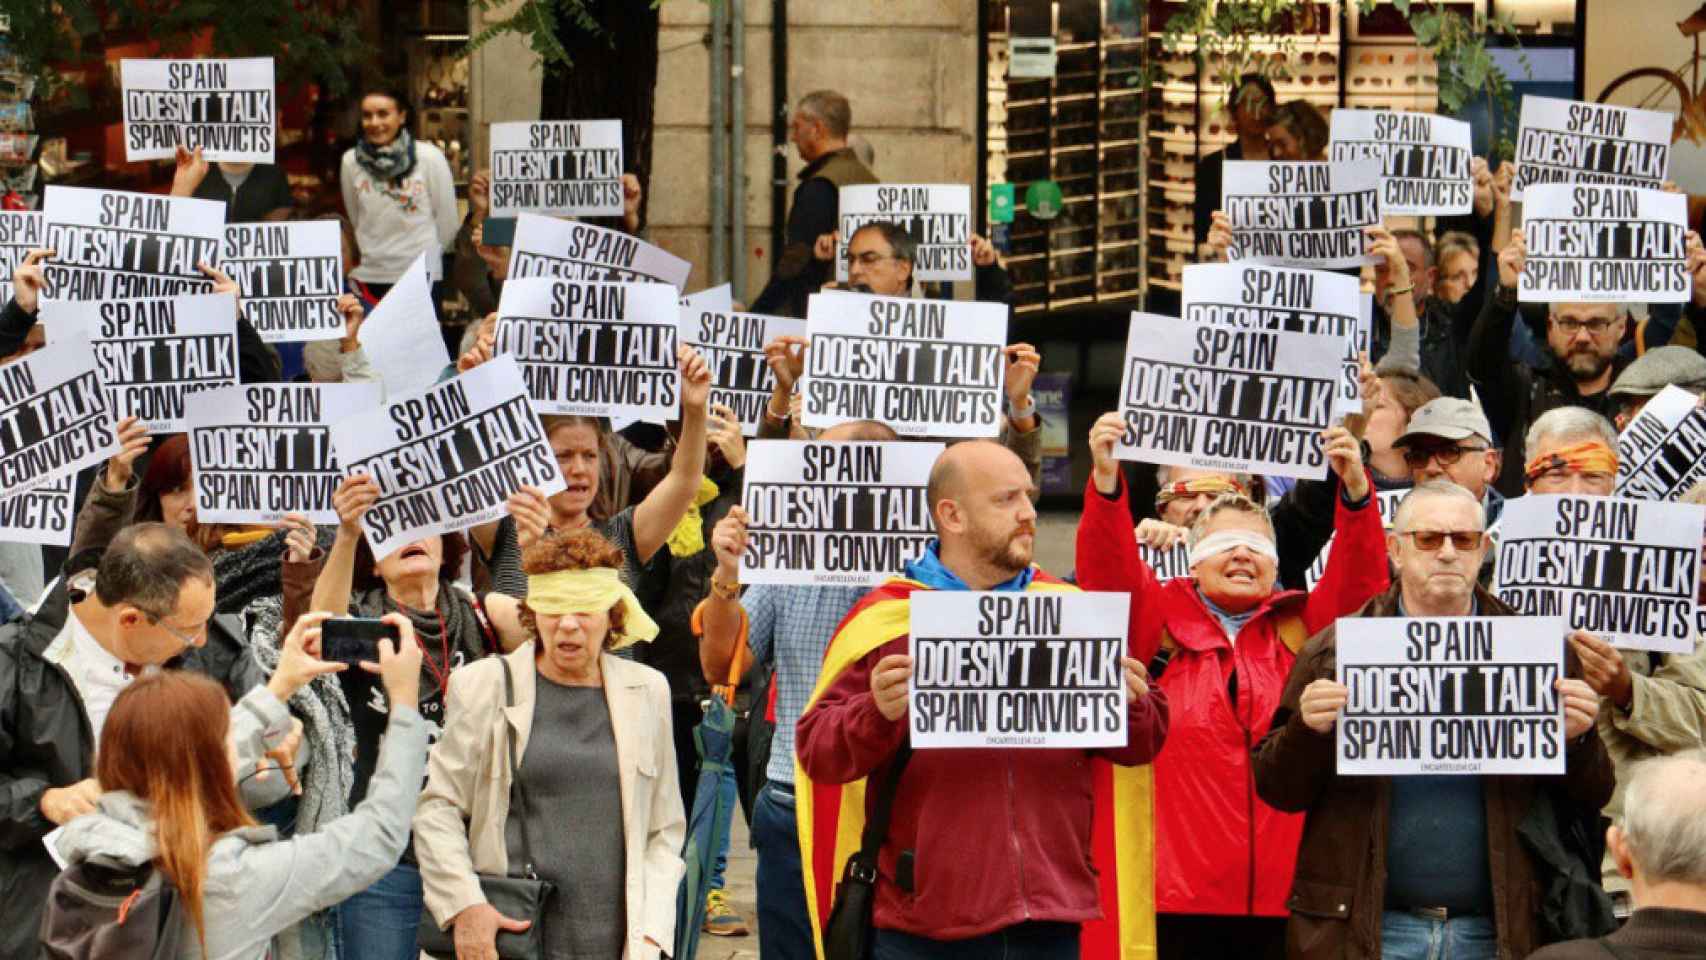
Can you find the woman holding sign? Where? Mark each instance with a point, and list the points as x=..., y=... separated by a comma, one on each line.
x=575, y=736
x=1223, y=641
x=399, y=194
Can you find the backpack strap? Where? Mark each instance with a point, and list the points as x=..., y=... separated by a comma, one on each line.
x=1163, y=655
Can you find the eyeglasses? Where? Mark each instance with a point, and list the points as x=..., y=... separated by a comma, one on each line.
x=187, y=639
x=872, y=258
x=1572, y=327
x=1446, y=455
x=1431, y=540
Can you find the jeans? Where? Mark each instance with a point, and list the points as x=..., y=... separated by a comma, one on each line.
x=382, y=922
x=1034, y=940
x=784, y=926
x=1406, y=936
x=730, y=796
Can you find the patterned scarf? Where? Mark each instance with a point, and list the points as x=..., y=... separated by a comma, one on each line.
x=1589, y=456
x=390, y=163
x=1191, y=488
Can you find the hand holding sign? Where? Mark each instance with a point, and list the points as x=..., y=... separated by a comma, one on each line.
x=1512, y=259
x=889, y=682
x=298, y=538
x=1136, y=680
x=728, y=542
x=1320, y=704
x=484, y=343
x=188, y=171
x=222, y=283
x=631, y=195
x=353, y=313
x=695, y=379
x=1023, y=360
x=1104, y=434
x=824, y=248
x=1581, y=707
x=1483, y=179
x=1219, y=237
x=532, y=512
x=1159, y=534
x=480, y=195
x=28, y=280
x=1344, y=455
x=787, y=359
x=133, y=443
x=353, y=498
x=1603, y=667
x=724, y=435
x=1391, y=269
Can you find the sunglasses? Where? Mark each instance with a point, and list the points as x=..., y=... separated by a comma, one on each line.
x=1430, y=540
x=1419, y=456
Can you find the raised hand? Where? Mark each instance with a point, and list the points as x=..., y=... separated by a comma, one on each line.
x=133, y=443
x=28, y=280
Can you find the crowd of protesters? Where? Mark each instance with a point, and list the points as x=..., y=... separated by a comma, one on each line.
x=163, y=699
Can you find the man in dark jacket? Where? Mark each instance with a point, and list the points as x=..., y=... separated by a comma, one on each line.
x=147, y=599
x=1388, y=863
x=1660, y=847
x=818, y=128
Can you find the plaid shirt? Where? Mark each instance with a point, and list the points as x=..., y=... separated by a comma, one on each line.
x=792, y=627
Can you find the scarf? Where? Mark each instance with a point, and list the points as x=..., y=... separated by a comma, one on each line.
x=390, y=163
x=1230, y=622
x=587, y=591
x=458, y=623
x=249, y=573
x=329, y=774
x=1196, y=487
x=928, y=570
x=1589, y=456
x=688, y=537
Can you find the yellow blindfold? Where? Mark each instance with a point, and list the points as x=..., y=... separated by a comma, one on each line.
x=591, y=591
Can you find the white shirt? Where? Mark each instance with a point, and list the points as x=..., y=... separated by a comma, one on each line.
x=395, y=223
x=96, y=673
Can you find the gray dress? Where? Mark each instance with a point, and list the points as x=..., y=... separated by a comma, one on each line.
x=574, y=822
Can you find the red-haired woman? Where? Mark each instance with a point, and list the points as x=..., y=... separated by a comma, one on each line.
x=166, y=762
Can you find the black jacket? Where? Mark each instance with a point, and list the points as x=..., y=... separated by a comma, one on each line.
x=46, y=741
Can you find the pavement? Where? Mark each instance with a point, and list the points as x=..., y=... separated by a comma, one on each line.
x=1054, y=552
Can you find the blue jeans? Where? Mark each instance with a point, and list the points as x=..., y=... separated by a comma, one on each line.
x=730, y=798
x=1024, y=941
x=784, y=926
x=382, y=922
x=1406, y=936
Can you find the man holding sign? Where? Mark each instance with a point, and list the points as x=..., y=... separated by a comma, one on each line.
x=949, y=889
x=1449, y=864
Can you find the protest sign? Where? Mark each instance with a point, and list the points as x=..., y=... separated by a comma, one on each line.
x=1017, y=669
x=557, y=167
x=596, y=349
x=1624, y=570
x=1451, y=695
x=43, y=515
x=1166, y=564
x=1424, y=159
x=927, y=368
x=154, y=351
x=1386, y=501
x=447, y=457
x=1257, y=297
x=54, y=418
x=401, y=338
x=711, y=298
x=20, y=232
x=1593, y=243
x=936, y=216
x=290, y=275
x=1662, y=452
x=111, y=245
x=733, y=347
x=835, y=514
x=548, y=247
x=1216, y=397
x=225, y=108
x=260, y=451
x=1567, y=141
x=1301, y=214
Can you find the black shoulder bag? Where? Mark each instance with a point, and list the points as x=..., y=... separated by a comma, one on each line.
x=519, y=897
x=848, y=934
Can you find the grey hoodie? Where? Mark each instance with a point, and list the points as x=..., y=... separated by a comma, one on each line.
x=258, y=885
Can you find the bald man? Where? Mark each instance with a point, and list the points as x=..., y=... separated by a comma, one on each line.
x=942, y=891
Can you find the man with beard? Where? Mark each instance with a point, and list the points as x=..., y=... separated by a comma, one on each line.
x=942, y=890
x=1582, y=341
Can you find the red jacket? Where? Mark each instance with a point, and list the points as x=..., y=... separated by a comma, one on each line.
x=997, y=836
x=1218, y=848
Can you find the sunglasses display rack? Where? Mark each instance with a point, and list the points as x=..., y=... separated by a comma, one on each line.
x=20, y=173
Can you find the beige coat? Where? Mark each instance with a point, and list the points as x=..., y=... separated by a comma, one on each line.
x=1667, y=713
x=468, y=779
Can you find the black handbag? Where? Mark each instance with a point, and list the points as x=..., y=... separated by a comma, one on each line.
x=847, y=936
x=519, y=897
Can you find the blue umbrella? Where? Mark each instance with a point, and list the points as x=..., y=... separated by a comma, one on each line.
x=708, y=822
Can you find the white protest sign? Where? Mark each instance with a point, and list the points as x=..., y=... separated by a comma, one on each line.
x=1301, y=214
x=446, y=458
x=1604, y=244
x=290, y=275
x=711, y=298
x=1424, y=159
x=1030, y=669
x=1624, y=570
x=733, y=346
x=153, y=352
x=20, y=232
x=1450, y=695
x=1662, y=452
x=596, y=349
x=1386, y=501
x=260, y=451
x=401, y=337
x=111, y=245
x=927, y=368
x=54, y=418
x=557, y=167
x=1258, y=297
x=1567, y=141
x=841, y=514
x=1166, y=564
x=1216, y=397
x=226, y=108
x=548, y=247
x=936, y=216
x=43, y=515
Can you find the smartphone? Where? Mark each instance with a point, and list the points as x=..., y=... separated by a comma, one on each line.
x=353, y=639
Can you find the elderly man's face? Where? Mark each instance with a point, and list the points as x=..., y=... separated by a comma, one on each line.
x=1471, y=463
x=1437, y=547
x=871, y=261
x=1566, y=478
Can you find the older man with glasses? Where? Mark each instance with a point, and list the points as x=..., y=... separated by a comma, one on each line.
x=1449, y=439
x=1417, y=866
